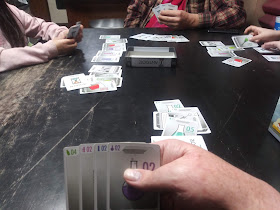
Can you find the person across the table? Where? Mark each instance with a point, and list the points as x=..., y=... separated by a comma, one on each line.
x=270, y=38
x=190, y=14
x=16, y=26
x=193, y=178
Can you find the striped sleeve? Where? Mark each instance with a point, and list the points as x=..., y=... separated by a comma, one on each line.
x=224, y=14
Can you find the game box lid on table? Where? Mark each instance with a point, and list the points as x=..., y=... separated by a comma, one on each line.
x=151, y=57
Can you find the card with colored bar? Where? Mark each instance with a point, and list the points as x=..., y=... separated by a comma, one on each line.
x=237, y=61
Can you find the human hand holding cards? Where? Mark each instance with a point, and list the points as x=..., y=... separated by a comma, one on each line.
x=161, y=7
x=92, y=180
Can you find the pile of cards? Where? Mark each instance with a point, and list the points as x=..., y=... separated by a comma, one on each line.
x=271, y=58
x=102, y=78
x=218, y=49
x=160, y=38
x=176, y=120
x=168, y=6
x=94, y=175
x=112, y=49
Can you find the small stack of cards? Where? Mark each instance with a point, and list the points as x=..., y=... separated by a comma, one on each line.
x=271, y=58
x=112, y=49
x=160, y=38
x=218, y=49
x=94, y=175
x=176, y=120
x=102, y=78
x=168, y=6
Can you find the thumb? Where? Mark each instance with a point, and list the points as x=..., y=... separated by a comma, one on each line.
x=146, y=180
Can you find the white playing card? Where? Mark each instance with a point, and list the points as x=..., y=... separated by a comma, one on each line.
x=86, y=176
x=76, y=81
x=168, y=105
x=114, y=47
x=138, y=36
x=211, y=43
x=109, y=53
x=195, y=140
x=110, y=37
x=100, y=174
x=156, y=10
x=106, y=69
x=122, y=156
x=272, y=58
x=229, y=48
x=221, y=53
x=181, y=38
x=117, y=80
x=99, y=86
x=213, y=49
x=261, y=50
x=242, y=41
x=179, y=127
x=72, y=176
x=171, y=7
x=237, y=61
x=105, y=59
x=116, y=41
x=62, y=83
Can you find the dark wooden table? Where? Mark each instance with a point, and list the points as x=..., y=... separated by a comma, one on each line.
x=38, y=119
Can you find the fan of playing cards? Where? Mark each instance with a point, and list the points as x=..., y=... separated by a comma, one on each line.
x=160, y=38
x=94, y=175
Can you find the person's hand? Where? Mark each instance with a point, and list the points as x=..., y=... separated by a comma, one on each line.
x=262, y=34
x=79, y=37
x=193, y=178
x=178, y=19
x=65, y=46
x=271, y=45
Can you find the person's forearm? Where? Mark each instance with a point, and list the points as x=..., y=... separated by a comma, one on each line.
x=25, y=56
x=249, y=192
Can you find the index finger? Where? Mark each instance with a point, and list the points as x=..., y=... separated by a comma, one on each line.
x=250, y=29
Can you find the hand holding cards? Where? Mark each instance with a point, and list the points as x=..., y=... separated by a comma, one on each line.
x=96, y=164
x=161, y=7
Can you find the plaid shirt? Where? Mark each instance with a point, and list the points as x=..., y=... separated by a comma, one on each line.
x=212, y=13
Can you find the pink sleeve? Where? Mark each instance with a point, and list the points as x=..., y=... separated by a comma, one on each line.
x=23, y=56
x=36, y=27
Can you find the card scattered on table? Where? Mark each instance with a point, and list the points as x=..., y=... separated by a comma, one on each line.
x=221, y=53
x=237, y=61
x=211, y=43
x=272, y=58
x=264, y=51
x=160, y=38
x=110, y=37
x=229, y=48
